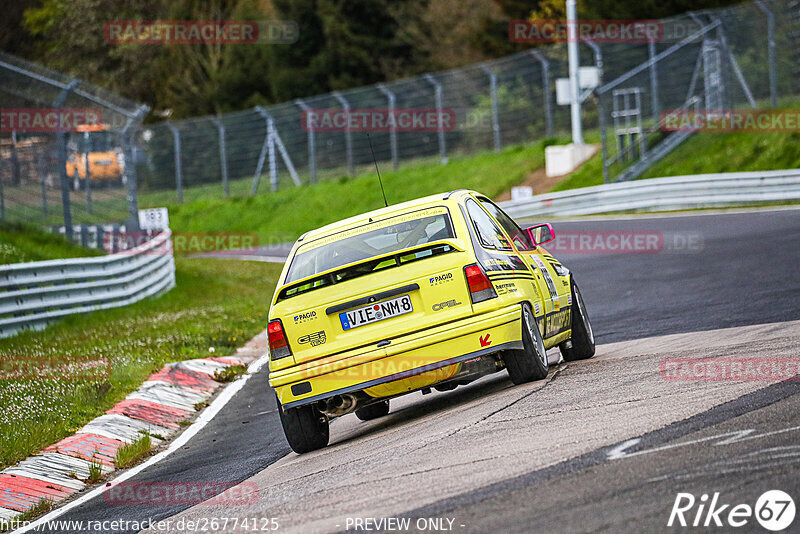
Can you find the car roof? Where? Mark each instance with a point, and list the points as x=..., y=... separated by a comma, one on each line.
x=394, y=209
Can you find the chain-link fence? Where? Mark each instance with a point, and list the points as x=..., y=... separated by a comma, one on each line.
x=743, y=56
x=67, y=157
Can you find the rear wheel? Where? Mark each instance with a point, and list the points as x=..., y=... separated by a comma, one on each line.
x=530, y=363
x=305, y=427
x=373, y=411
x=582, y=340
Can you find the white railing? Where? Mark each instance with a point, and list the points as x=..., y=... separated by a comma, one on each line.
x=37, y=293
x=664, y=194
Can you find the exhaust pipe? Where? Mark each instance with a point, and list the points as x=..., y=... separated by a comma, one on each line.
x=338, y=404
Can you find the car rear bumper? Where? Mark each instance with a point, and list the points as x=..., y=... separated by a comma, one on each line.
x=429, y=356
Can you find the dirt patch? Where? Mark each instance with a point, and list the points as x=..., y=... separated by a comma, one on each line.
x=539, y=181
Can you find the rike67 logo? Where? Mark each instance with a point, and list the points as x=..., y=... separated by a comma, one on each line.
x=774, y=510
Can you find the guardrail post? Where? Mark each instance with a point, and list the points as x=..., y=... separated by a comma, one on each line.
x=773, y=82
x=495, y=119
x=348, y=140
x=437, y=93
x=223, y=159
x=548, y=112
x=176, y=136
x=393, y=125
x=312, y=148
x=61, y=138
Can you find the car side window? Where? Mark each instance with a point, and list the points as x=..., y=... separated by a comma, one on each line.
x=519, y=237
x=489, y=234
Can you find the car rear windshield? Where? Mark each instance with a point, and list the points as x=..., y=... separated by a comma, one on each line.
x=375, y=239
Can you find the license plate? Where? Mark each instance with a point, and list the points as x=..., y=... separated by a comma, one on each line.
x=376, y=312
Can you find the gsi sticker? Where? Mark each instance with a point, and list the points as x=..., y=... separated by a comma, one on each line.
x=315, y=339
x=441, y=279
x=303, y=317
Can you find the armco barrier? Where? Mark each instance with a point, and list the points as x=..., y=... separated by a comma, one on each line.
x=664, y=194
x=34, y=294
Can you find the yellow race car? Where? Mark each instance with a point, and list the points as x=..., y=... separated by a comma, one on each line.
x=431, y=293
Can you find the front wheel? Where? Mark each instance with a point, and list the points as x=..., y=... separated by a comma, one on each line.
x=581, y=346
x=305, y=427
x=530, y=363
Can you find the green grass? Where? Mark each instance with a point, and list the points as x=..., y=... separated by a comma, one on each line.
x=133, y=452
x=284, y=215
x=217, y=303
x=23, y=243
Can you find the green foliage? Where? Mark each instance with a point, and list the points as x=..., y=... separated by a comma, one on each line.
x=137, y=340
x=133, y=452
x=22, y=243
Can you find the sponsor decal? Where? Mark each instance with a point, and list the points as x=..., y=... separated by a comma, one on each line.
x=536, y=308
x=440, y=279
x=444, y=305
x=558, y=321
x=315, y=339
x=507, y=288
x=774, y=510
x=485, y=341
x=304, y=317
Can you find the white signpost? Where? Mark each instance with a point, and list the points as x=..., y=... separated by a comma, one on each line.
x=154, y=219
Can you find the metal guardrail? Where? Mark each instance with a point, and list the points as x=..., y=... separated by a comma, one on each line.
x=664, y=194
x=37, y=293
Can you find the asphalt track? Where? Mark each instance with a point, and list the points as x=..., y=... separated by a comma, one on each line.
x=552, y=456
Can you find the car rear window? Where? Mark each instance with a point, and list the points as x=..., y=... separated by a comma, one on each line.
x=380, y=238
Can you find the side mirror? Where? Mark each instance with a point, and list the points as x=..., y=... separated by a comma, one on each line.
x=541, y=233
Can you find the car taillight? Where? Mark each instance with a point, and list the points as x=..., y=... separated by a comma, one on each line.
x=480, y=287
x=278, y=346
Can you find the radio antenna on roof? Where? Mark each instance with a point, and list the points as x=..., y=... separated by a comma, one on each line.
x=386, y=204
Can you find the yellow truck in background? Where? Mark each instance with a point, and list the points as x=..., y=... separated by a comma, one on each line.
x=94, y=149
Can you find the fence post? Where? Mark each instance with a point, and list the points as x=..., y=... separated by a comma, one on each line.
x=348, y=140
x=773, y=83
x=42, y=167
x=312, y=148
x=495, y=119
x=548, y=113
x=2, y=196
x=132, y=191
x=437, y=92
x=88, y=177
x=223, y=158
x=393, y=125
x=176, y=136
x=16, y=179
x=601, y=115
x=270, y=142
x=62, y=162
x=651, y=50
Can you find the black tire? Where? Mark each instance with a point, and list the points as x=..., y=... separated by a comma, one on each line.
x=530, y=363
x=373, y=411
x=305, y=427
x=582, y=336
